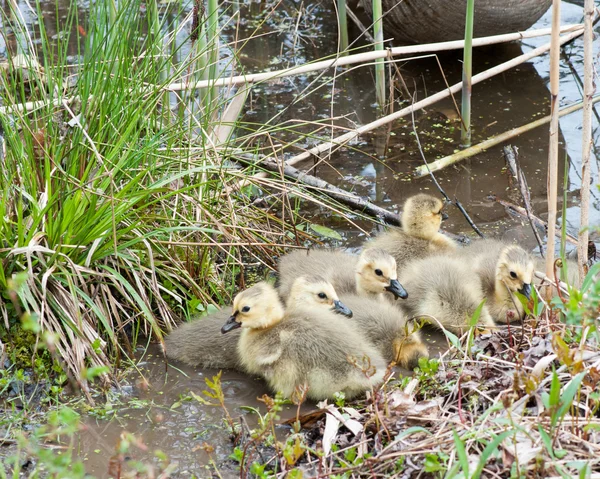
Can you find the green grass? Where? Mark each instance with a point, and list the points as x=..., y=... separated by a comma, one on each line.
x=114, y=192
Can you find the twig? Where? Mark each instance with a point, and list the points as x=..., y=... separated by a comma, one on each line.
x=496, y=140
x=511, y=155
x=360, y=25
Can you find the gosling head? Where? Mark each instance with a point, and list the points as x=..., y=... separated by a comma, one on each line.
x=376, y=273
x=515, y=269
x=422, y=216
x=258, y=307
x=316, y=292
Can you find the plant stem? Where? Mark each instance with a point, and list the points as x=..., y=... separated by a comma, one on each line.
x=465, y=136
x=553, y=146
x=213, y=42
x=379, y=65
x=343, y=26
x=588, y=92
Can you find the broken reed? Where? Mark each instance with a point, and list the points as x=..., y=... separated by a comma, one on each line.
x=586, y=137
x=553, y=141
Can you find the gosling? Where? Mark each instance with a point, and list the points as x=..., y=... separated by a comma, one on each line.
x=373, y=273
x=200, y=343
x=304, y=346
x=503, y=269
x=419, y=236
x=387, y=328
x=446, y=292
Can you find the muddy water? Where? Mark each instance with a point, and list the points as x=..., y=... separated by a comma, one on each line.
x=161, y=410
x=378, y=165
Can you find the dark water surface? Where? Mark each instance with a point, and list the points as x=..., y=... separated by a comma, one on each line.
x=377, y=165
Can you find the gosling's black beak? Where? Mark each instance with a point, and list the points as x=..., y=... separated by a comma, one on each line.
x=397, y=289
x=526, y=290
x=341, y=308
x=230, y=324
x=444, y=216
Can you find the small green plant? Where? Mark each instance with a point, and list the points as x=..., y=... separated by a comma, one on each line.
x=49, y=462
x=215, y=392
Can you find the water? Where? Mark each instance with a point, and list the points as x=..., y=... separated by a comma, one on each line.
x=377, y=165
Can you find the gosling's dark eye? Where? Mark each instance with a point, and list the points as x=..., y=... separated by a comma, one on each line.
x=322, y=296
x=513, y=275
x=245, y=309
x=378, y=272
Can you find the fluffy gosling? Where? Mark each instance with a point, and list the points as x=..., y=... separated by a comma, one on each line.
x=306, y=345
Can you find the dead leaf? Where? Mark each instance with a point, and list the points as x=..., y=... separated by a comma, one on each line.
x=332, y=426
x=223, y=130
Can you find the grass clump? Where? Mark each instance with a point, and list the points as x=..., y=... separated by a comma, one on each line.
x=116, y=216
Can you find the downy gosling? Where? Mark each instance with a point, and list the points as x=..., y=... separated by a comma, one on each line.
x=419, y=236
x=373, y=273
x=201, y=343
x=305, y=345
x=388, y=329
x=503, y=269
x=444, y=290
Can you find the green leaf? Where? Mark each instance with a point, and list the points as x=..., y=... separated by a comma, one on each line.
x=461, y=453
x=477, y=314
x=452, y=338
x=326, y=232
x=96, y=371
x=488, y=451
x=589, y=278
x=568, y=394
x=546, y=440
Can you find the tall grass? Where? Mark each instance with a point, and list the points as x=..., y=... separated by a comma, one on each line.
x=115, y=215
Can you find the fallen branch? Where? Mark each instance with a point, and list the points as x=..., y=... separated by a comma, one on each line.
x=511, y=156
x=352, y=134
x=437, y=165
x=351, y=200
x=538, y=221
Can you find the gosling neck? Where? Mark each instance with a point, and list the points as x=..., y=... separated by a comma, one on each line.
x=274, y=314
x=501, y=292
x=361, y=290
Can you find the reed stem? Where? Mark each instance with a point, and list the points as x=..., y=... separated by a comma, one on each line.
x=343, y=26
x=588, y=92
x=465, y=136
x=553, y=143
x=213, y=44
x=379, y=63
